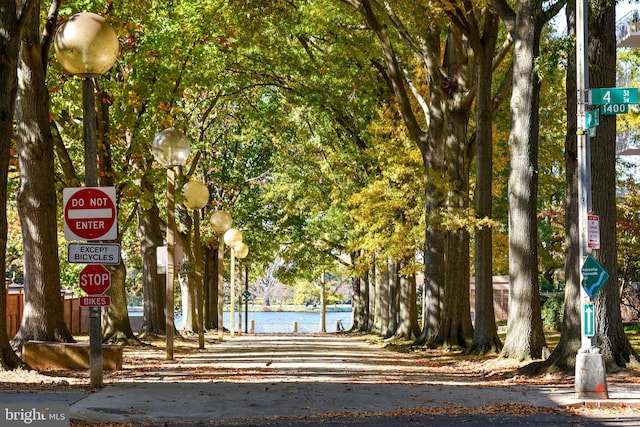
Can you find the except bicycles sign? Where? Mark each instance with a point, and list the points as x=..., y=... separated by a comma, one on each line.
x=90, y=213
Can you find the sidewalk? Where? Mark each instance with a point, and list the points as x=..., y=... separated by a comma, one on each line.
x=263, y=376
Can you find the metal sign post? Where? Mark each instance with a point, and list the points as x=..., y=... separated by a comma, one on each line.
x=590, y=379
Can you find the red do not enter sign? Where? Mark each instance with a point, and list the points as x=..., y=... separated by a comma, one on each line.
x=95, y=279
x=90, y=213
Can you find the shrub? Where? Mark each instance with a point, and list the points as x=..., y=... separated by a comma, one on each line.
x=552, y=312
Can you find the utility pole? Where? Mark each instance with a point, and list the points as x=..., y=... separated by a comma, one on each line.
x=590, y=378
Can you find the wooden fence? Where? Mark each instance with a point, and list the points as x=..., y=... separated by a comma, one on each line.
x=76, y=317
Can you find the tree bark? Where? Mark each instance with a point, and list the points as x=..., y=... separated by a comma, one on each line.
x=613, y=342
x=483, y=42
x=43, y=317
x=11, y=23
x=525, y=337
x=116, y=327
x=153, y=284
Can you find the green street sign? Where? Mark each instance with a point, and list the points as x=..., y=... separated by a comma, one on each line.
x=594, y=276
x=589, y=320
x=591, y=118
x=614, y=95
x=610, y=109
x=246, y=294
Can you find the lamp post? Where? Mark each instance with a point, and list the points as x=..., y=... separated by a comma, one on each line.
x=170, y=148
x=86, y=46
x=232, y=238
x=242, y=250
x=221, y=222
x=196, y=194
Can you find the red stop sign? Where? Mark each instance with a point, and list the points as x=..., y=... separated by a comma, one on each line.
x=95, y=279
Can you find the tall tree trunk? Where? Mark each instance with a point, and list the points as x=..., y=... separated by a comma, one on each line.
x=602, y=54
x=455, y=327
x=379, y=307
x=358, y=308
x=150, y=235
x=371, y=291
x=116, y=327
x=43, y=317
x=12, y=20
x=115, y=318
x=485, y=335
x=210, y=287
x=407, y=326
x=525, y=337
x=563, y=357
x=392, y=323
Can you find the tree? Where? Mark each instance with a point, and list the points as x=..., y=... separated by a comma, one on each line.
x=525, y=338
x=44, y=318
x=12, y=22
x=481, y=29
x=602, y=53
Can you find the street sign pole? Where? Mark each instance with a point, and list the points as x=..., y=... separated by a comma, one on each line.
x=590, y=380
x=91, y=180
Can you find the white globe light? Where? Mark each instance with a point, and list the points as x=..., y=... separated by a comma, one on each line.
x=86, y=45
x=171, y=148
x=233, y=237
x=242, y=250
x=196, y=195
x=220, y=221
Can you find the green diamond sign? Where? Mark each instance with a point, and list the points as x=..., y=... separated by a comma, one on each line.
x=594, y=276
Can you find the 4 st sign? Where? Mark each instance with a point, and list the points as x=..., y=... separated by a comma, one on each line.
x=614, y=95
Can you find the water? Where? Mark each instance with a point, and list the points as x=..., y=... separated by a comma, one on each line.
x=282, y=321
x=270, y=322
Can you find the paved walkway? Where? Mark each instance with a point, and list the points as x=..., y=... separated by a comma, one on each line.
x=256, y=377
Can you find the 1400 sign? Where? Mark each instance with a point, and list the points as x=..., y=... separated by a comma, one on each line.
x=610, y=109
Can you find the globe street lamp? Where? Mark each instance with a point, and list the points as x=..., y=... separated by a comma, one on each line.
x=170, y=148
x=86, y=46
x=196, y=194
x=221, y=222
x=232, y=238
x=242, y=250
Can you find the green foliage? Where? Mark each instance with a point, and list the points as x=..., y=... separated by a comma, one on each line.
x=553, y=312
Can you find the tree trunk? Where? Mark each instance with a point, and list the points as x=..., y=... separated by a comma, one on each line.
x=371, y=286
x=485, y=335
x=10, y=40
x=407, y=326
x=153, y=285
x=187, y=285
x=43, y=317
x=455, y=327
x=602, y=54
x=323, y=304
x=392, y=324
x=358, y=307
x=385, y=298
x=210, y=276
x=116, y=327
x=563, y=357
x=379, y=307
x=525, y=337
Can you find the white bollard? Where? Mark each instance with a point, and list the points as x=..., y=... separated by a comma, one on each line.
x=295, y=327
x=253, y=326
